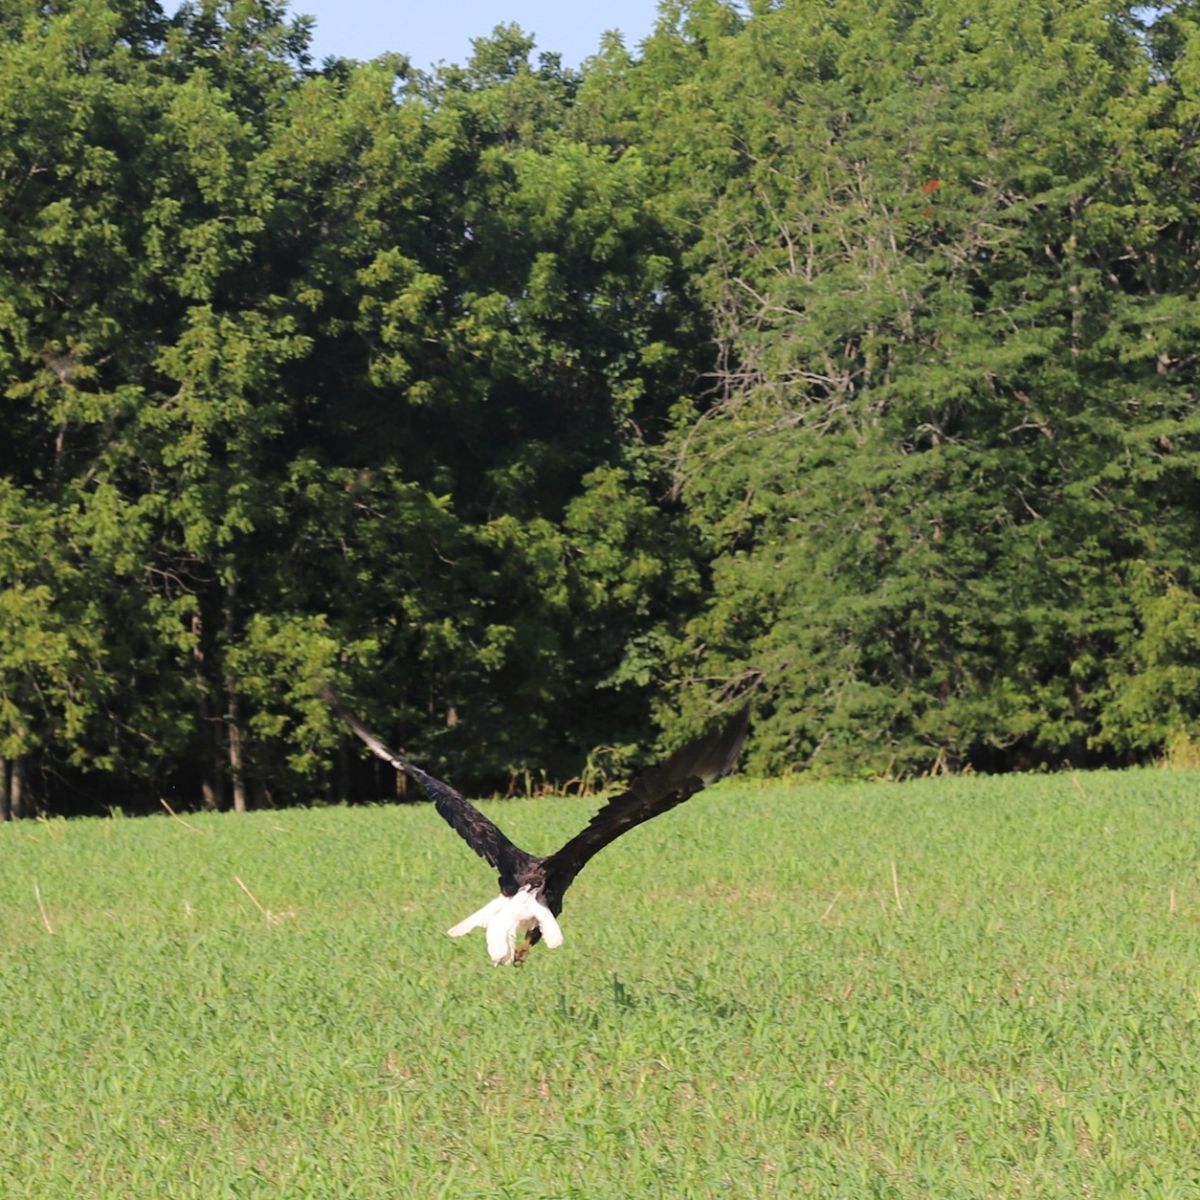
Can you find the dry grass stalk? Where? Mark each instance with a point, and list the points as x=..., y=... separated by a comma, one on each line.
x=37, y=891
x=271, y=918
x=173, y=813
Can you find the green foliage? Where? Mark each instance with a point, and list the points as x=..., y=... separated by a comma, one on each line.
x=1158, y=699
x=942, y=988
x=314, y=369
x=843, y=353
x=52, y=655
x=955, y=416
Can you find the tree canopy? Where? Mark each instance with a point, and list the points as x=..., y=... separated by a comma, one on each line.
x=843, y=355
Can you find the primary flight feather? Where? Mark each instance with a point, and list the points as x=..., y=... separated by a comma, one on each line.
x=532, y=887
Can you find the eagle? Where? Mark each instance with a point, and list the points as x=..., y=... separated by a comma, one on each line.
x=532, y=887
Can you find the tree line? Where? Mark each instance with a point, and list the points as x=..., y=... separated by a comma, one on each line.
x=842, y=355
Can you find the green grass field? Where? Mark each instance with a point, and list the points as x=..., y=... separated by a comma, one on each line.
x=953, y=988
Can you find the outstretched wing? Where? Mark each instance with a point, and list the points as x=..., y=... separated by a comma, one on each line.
x=484, y=837
x=689, y=770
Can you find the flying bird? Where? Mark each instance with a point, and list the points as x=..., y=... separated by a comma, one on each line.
x=531, y=887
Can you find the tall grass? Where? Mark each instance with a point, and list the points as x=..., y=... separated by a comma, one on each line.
x=963, y=987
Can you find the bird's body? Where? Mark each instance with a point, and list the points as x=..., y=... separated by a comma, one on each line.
x=531, y=887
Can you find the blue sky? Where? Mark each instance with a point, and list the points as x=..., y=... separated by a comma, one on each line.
x=443, y=29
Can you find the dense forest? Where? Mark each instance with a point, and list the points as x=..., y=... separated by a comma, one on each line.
x=841, y=354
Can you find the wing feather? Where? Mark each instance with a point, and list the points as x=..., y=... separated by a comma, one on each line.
x=482, y=835
x=689, y=770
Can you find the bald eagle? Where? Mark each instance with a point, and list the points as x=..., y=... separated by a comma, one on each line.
x=531, y=887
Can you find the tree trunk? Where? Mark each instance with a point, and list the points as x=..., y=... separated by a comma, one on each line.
x=211, y=791
x=237, y=779
x=342, y=776
x=18, y=795
x=236, y=776
x=5, y=813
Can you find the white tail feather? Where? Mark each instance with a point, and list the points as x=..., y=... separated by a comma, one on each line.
x=480, y=919
x=551, y=934
x=506, y=916
x=501, y=937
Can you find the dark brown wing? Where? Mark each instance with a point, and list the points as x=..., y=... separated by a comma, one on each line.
x=463, y=817
x=689, y=770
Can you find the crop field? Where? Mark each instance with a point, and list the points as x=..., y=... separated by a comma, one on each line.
x=948, y=988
